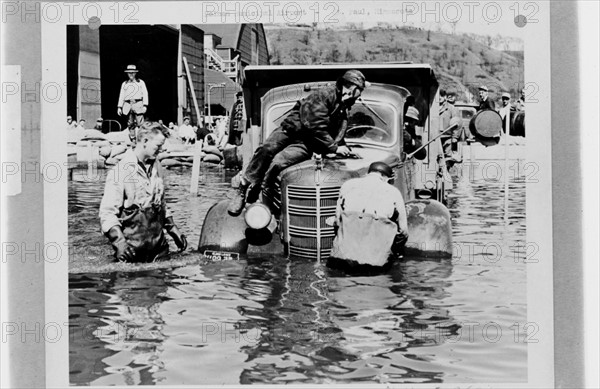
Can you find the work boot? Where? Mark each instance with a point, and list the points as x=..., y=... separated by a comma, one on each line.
x=237, y=203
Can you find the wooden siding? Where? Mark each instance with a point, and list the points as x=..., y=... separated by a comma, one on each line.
x=192, y=48
x=89, y=93
x=245, y=41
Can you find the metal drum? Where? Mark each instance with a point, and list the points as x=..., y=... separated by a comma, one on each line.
x=517, y=127
x=486, y=126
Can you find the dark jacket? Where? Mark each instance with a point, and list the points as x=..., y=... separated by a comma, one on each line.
x=413, y=142
x=317, y=119
x=487, y=104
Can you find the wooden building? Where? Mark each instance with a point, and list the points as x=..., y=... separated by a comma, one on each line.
x=216, y=56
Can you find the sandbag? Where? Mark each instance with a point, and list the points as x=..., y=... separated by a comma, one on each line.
x=169, y=162
x=486, y=126
x=118, y=150
x=213, y=150
x=105, y=151
x=93, y=135
x=211, y=158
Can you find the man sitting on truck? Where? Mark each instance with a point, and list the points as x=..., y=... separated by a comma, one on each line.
x=316, y=124
x=371, y=219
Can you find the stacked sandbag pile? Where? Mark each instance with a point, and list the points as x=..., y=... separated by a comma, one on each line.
x=92, y=146
x=175, y=159
x=211, y=154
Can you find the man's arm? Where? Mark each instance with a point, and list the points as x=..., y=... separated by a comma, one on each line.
x=144, y=93
x=400, y=210
x=121, y=96
x=112, y=200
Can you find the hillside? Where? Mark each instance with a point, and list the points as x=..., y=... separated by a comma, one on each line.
x=460, y=62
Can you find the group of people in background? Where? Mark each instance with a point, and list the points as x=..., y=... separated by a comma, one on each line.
x=210, y=134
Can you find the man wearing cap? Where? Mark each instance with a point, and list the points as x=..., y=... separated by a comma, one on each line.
x=98, y=125
x=484, y=101
x=448, y=114
x=186, y=131
x=411, y=140
x=507, y=108
x=371, y=218
x=316, y=124
x=133, y=100
x=520, y=103
x=70, y=123
x=235, y=121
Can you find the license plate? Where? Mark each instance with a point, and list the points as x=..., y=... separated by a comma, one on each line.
x=217, y=256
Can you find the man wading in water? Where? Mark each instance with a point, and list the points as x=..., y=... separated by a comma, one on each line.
x=316, y=124
x=133, y=212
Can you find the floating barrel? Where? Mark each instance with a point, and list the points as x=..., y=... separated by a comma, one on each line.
x=517, y=127
x=486, y=127
x=429, y=229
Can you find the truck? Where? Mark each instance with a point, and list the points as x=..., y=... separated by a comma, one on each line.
x=293, y=216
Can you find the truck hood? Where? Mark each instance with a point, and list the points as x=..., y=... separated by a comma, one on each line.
x=336, y=171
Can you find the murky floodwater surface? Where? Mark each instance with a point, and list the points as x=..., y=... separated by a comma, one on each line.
x=268, y=320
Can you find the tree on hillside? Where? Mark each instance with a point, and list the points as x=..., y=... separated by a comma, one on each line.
x=362, y=34
x=305, y=39
x=334, y=54
x=349, y=57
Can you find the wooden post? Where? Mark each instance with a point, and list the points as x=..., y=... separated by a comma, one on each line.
x=198, y=147
x=507, y=130
x=196, y=168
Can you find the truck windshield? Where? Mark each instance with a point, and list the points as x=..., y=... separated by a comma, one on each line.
x=363, y=125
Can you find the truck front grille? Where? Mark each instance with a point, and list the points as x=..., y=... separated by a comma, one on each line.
x=307, y=210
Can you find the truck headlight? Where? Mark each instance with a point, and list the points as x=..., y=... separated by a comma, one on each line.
x=257, y=216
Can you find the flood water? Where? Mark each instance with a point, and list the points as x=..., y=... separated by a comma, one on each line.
x=271, y=321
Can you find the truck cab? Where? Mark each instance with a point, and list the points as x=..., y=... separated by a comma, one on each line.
x=305, y=195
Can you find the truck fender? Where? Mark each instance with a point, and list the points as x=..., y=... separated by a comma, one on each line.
x=223, y=232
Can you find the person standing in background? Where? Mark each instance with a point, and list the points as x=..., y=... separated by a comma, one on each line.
x=235, y=122
x=484, y=101
x=133, y=100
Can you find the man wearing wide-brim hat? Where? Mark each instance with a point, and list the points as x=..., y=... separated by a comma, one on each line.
x=133, y=100
x=484, y=101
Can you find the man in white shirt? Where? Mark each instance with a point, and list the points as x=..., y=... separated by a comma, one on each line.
x=186, y=131
x=133, y=100
x=371, y=219
x=506, y=109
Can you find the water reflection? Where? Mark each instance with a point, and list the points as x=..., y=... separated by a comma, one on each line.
x=127, y=323
x=320, y=325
